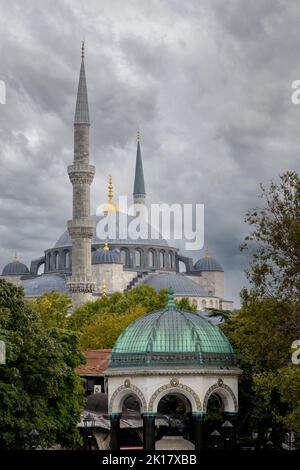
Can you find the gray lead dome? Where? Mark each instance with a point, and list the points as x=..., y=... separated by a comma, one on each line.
x=15, y=268
x=208, y=264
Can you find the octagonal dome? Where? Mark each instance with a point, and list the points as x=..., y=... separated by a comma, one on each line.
x=172, y=337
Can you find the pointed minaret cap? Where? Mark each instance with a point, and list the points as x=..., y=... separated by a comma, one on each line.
x=139, y=192
x=82, y=115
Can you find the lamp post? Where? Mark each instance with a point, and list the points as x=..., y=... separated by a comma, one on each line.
x=34, y=434
x=228, y=437
x=89, y=422
x=215, y=440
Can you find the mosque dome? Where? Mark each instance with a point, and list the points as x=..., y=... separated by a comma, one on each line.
x=153, y=238
x=180, y=284
x=207, y=263
x=106, y=256
x=15, y=268
x=172, y=337
x=44, y=283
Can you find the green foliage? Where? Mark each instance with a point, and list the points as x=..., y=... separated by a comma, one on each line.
x=38, y=386
x=53, y=308
x=275, y=240
x=142, y=296
x=269, y=321
x=103, y=330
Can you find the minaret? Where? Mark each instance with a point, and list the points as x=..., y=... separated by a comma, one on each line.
x=81, y=174
x=139, y=193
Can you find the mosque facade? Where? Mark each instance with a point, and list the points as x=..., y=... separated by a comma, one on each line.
x=84, y=266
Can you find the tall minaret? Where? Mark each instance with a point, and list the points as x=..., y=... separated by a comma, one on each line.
x=81, y=174
x=139, y=193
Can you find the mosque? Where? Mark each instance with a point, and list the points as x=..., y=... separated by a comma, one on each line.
x=164, y=357
x=85, y=266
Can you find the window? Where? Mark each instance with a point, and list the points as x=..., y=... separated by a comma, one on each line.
x=162, y=259
x=125, y=256
x=211, y=304
x=151, y=258
x=170, y=260
x=67, y=259
x=138, y=258
x=56, y=258
x=203, y=303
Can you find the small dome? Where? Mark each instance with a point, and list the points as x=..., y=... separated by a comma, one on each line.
x=106, y=256
x=15, y=268
x=208, y=264
x=172, y=337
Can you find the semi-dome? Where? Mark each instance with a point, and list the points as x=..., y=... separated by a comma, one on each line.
x=15, y=268
x=180, y=284
x=154, y=238
x=208, y=264
x=106, y=256
x=44, y=283
x=172, y=337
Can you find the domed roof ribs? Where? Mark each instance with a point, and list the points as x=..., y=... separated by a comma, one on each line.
x=82, y=106
x=139, y=192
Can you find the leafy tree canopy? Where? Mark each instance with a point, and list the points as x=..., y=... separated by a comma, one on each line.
x=38, y=386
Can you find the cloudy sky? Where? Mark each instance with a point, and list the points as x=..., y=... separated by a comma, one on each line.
x=208, y=82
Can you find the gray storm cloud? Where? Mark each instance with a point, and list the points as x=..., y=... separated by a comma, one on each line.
x=209, y=83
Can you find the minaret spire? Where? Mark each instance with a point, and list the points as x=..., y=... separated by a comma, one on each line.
x=139, y=193
x=82, y=115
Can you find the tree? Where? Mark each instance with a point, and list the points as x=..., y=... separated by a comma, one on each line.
x=53, y=308
x=38, y=385
x=275, y=240
x=103, y=330
x=268, y=322
x=143, y=296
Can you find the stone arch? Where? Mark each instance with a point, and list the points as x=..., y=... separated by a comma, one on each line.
x=119, y=395
x=229, y=400
x=174, y=388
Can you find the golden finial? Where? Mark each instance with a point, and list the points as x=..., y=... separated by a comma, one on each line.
x=138, y=135
x=110, y=206
x=103, y=287
x=106, y=247
x=82, y=50
x=206, y=255
x=15, y=258
x=110, y=189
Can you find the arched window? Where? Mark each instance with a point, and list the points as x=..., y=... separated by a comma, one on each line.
x=171, y=260
x=67, y=259
x=138, y=257
x=151, y=258
x=49, y=261
x=203, y=303
x=124, y=256
x=194, y=302
x=56, y=261
x=162, y=259
x=211, y=304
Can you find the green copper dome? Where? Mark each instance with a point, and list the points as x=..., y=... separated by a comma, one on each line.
x=172, y=336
